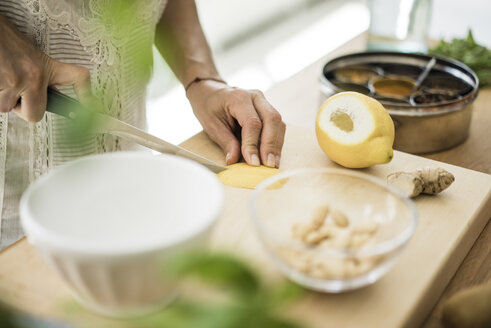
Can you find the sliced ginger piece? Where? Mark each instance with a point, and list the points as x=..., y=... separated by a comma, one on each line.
x=242, y=175
x=408, y=182
x=423, y=181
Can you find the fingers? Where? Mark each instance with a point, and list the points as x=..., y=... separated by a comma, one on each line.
x=272, y=134
x=222, y=134
x=34, y=99
x=8, y=100
x=29, y=103
x=32, y=105
x=279, y=144
x=25, y=94
x=79, y=77
x=262, y=128
x=243, y=110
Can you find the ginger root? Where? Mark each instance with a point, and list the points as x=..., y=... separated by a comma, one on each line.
x=423, y=181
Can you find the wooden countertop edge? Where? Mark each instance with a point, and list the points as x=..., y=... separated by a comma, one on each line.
x=452, y=263
x=13, y=245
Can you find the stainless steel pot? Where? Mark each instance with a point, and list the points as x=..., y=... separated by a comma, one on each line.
x=423, y=127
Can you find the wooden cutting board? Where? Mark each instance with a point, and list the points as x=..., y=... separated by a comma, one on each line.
x=449, y=224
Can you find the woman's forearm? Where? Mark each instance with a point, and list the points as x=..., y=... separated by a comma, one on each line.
x=223, y=111
x=181, y=42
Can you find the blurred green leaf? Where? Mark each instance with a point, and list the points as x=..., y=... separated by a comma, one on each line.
x=255, y=304
x=252, y=303
x=284, y=293
x=120, y=18
x=10, y=318
x=477, y=57
x=6, y=318
x=193, y=315
x=219, y=269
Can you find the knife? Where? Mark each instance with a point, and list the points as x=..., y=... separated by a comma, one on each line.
x=96, y=122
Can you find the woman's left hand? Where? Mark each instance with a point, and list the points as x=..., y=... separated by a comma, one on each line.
x=226, y=112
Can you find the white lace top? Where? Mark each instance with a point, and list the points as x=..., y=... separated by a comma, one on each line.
x=78, y=32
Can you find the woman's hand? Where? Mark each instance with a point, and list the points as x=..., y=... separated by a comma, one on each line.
x=226, y=111
x=26, y=73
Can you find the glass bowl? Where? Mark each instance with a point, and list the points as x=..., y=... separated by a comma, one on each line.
x=332, y=230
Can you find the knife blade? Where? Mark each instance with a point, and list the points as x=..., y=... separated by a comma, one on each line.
x=95, y=122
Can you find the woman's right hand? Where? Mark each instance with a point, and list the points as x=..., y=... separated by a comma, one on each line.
x=26, y=72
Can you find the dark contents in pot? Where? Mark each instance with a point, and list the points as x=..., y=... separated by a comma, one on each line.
x=445, y=82
x=392, y=83
x=435, y=96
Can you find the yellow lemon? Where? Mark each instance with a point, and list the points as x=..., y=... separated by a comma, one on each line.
x=355, y=130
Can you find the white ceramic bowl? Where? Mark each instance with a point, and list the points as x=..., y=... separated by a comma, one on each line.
x=350, y=257
x=108, y=223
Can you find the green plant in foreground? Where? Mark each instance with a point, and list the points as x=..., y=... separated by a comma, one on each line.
x=10, y=318
x=248, y=302
x=225, y=293
x=477, y=57
x=245, y=302
x=7, y=318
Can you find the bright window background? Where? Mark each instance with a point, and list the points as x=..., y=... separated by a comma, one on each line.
x=258, y=43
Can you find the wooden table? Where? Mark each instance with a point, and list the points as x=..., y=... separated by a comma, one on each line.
x=297, y=98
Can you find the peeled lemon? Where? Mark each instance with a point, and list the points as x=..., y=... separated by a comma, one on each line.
x=355, y=130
